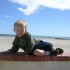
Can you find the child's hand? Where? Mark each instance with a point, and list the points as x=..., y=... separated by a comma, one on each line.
x=5, y=52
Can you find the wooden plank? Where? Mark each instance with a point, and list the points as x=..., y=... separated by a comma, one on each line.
x=22, y=57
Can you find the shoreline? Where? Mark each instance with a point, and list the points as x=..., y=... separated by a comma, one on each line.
x=37, y=36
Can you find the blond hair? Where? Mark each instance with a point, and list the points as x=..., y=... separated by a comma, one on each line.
x=20, y=23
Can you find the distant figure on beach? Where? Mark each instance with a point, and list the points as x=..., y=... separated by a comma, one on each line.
x=30, y=45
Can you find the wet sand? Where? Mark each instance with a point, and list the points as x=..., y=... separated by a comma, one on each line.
x=6, y=43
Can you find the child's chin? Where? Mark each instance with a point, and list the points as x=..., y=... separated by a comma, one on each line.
x=19, y=35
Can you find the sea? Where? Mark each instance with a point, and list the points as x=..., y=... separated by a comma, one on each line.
x=35, y=36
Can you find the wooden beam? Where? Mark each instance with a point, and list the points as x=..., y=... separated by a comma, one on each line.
x=22, y=57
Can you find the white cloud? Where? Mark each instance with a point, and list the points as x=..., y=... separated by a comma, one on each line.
x=33, y=5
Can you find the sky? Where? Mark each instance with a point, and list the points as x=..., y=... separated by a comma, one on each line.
x=43, y=17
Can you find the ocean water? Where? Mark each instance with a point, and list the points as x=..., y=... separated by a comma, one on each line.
x=52, y=37
x=44, y=37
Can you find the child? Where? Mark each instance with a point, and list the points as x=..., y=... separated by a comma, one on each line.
x=30, y=45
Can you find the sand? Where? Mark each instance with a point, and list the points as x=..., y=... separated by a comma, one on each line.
x=6, y=43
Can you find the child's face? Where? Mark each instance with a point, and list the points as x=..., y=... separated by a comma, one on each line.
x=19, y=31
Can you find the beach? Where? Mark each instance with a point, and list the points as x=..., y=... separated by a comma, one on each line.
x=9, y=64
x=6, y=43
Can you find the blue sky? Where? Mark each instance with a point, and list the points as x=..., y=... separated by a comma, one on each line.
x=43, y=17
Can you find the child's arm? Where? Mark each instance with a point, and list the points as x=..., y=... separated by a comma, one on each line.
x=14, y=48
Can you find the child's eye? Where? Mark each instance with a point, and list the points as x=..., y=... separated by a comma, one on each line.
x=21, y=30
x=17, y=30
